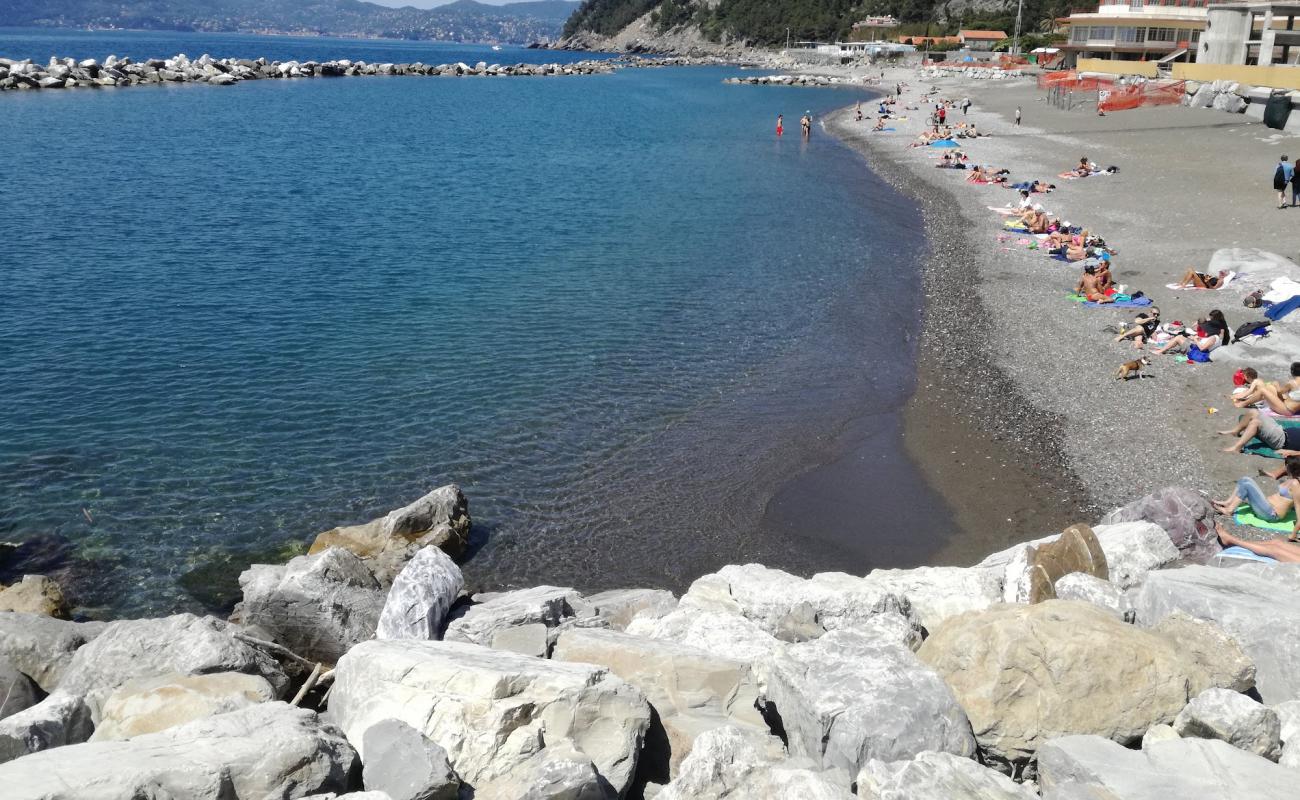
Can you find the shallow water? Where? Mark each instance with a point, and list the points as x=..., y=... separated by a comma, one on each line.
x=615, y=309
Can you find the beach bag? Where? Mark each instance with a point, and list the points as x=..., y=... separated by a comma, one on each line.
x=1258, y=327
x=1195, y=353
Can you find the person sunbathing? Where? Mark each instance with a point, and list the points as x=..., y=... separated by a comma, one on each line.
x=1144, y=327
x=1083, y=170
x=1211, y=332
x=1284, y=550
x=1270, y=507
x=1283, y=398
x=1256, y=424
x=1091, y=288
x=880, y=125
x=1201, y=280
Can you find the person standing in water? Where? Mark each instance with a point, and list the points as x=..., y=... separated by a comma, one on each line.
x=780, y=124
x=806, y=123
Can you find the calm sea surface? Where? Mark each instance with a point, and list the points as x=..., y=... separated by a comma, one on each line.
x=616, y=309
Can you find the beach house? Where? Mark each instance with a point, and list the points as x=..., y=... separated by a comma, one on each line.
x=1136, y=30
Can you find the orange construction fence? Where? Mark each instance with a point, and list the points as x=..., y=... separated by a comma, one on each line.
x=1151, y=93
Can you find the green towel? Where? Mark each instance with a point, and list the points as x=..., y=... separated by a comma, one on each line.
x=1245, y=516
x=1258, y=448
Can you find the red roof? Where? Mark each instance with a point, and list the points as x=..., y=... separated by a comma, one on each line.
x=991, y=35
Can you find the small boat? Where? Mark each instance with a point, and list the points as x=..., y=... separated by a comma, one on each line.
x=496, y=47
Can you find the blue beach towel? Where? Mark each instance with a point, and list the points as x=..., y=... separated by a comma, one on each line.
x=1141, y=302
x=1236, y=551
x=943, y=143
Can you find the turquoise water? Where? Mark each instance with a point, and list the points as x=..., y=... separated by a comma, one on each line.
x=615, y=309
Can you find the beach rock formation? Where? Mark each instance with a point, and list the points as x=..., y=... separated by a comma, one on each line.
x=1086, y=767
x=618, y=607
x=1259, y=610
x=36, y=594
x=58, y=720
x=17, y=691
x=318, y=605
x=42, y=647
x=440, y=518
x=524, y=621
x=1018, y=671
x=691, y=690
x=720, y=633
x=846, y=698
x=1184, y=514
x=1213, y=658
x=1088, y=589
x=491, y=710
x=268, y=750
x=1233, y=718
x=405, y=765
x=932, y=775
x=150, y=705
x=730, y=764
x=422, y=594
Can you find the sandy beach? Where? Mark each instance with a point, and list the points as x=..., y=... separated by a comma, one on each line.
x=1017, y=419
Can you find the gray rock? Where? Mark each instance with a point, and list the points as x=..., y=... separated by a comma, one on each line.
x=483, y=622
x=1233, y=718
x=1093, y=768
x=50, y=83
x=717, y=632
x=490, y=709
x=58, y=720
x=1184, y=514
x=421, y=596
x=846, y=698
x=269, y=750
x=1089, y=589
x=41, y=647
x=1158, y=733
x=932, y=776
x=405, y=765
x=150, y=705
x=731, y=764
x=147, y=648
x=1204, y=97
x=222, y=79
x=316, y=605
x=1288, y=715
x=1215, y=658
x=1261, y=615
x=1229, y=102
x=17, y=691
x=556, y=772
x=620, y=606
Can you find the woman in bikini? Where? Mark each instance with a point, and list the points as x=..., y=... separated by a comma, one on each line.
x=1201, y=280
x=1281, y=398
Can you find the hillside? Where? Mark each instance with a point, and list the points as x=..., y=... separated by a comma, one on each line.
x=767, y=23
x=464, y=20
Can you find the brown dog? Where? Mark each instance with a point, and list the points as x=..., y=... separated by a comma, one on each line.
x=1131, y=369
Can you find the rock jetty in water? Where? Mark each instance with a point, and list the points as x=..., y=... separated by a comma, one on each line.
x=67, y=73
x=1100, y=662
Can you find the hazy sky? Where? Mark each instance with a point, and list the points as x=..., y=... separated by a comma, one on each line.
x=432, y=3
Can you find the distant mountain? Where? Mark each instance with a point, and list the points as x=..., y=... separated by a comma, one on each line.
x=460, y=21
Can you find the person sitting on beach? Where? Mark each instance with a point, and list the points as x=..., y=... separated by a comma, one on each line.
x=1201, y=280
x=879, y=126
x=1083, y=170
x=1270, y=507
x=1255, y=424
x=1090, y=287
x=1282, y=399
x=1284, y=550
x=1144, y=327
x=1034, y=186
x=1211, y=332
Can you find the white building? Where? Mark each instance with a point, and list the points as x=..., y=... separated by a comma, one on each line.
x=1251, y=33
x=1137, y=30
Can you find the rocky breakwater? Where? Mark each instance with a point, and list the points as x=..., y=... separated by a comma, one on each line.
x=1099, y=662
x=67, y=73
x=796, y=80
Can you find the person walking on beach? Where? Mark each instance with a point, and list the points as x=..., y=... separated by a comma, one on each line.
x=780, y=124
x=1017, y=116
x=1295, y=185
x=965, y=106
x=1283, y=175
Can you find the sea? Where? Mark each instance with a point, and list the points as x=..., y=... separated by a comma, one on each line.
x=646, y=336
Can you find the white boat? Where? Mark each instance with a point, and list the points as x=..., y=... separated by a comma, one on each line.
x=496, y=47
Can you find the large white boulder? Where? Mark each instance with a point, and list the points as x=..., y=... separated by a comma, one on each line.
x=1089, y=589
x=619, y=607
x=17, y=691
x=58, y=720
x=1093, y=768
x=440, y=518
x=1020, y=673
x=318, y=605
x=937, y=593
x=691, y=690
x=1233, y=718
x=732, y=764
x=937, y=776
x=41, y=647
x=404, y=765
x=490, y=709
x=421, y=595
x=268, y=750
x=498, y=617
x=149, y=705
x=846, y=698
x=718, y=632
x=1261, y=614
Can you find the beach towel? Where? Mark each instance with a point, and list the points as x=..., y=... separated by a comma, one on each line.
x=1121, y=301
x=1245, y=515
x=943, y=143
x=1004, y=211
x=1258, y=448
x=1237, y=551
x=1226, y=280
x=1014, y=225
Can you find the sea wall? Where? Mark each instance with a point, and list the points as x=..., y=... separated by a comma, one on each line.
x=1101, y=660
x=67, y=73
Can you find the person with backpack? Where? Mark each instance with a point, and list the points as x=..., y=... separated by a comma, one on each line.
x=1283, y=175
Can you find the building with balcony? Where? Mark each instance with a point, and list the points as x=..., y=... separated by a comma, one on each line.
x=1251, y=34
x=1136, y=30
